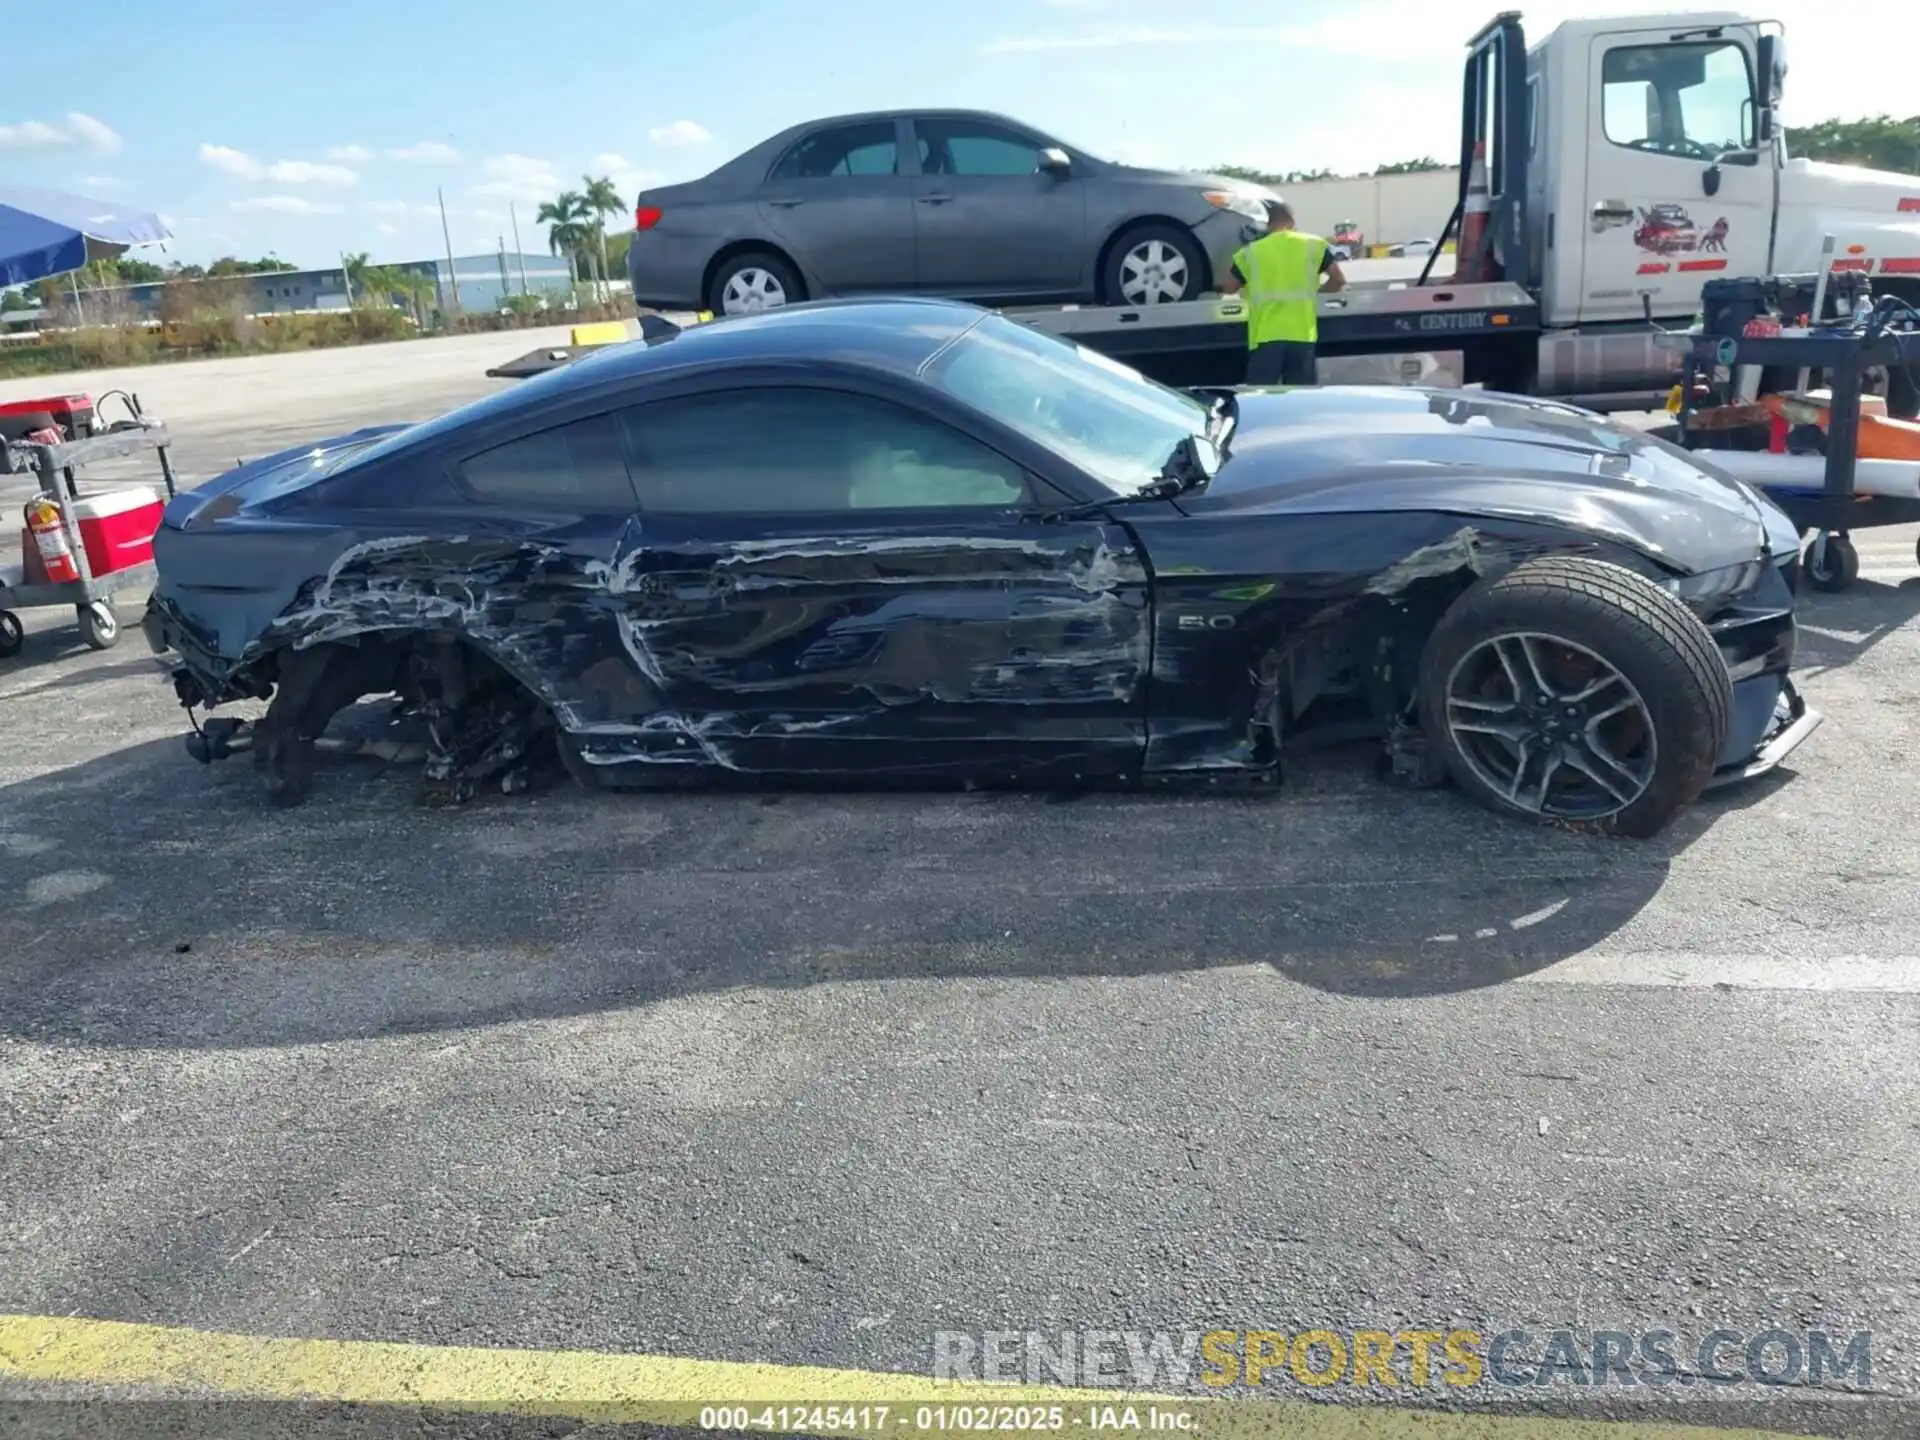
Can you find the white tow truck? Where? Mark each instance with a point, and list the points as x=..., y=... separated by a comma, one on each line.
x=1629, y=161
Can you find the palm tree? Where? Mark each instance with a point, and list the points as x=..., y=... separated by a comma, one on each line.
x=420, y=291
x=566, y=219
x=603, y=200
x=354, y=267
x=379, y=284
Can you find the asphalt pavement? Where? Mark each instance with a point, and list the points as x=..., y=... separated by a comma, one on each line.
x=809, y=1079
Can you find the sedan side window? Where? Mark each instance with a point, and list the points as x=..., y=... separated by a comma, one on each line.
x=869, y=149
x=577, y=466
x=780, y=451
x=967, y=147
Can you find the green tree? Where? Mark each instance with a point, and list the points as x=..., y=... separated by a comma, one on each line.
x=569, y=228
x=1412, y=167
x=420, y=291
x=228, y=265
x=11, y=300
x=1881, y=143
x=1272, y=177
x=602, y=200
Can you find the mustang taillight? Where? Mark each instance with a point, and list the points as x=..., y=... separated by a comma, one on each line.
x=645, y=217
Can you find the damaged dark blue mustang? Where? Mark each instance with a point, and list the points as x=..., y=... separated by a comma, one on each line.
x=915, y=539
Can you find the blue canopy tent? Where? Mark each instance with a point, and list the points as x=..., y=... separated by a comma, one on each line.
x=48, y=232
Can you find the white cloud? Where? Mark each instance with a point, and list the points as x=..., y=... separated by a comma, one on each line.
x=679, y=135
x=230, y=161
x=76, y=132
x=386, y=229
x=102, y=182
x=284, y=205
x=238, y=163
x=350, y=154
x=628, y=178
x=426, y=152
x=519, y=177
x=307, y=172
x=401, y=209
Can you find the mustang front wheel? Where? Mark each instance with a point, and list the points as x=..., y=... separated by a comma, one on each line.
x=1576, y=691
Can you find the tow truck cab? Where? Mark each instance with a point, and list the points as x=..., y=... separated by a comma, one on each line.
x=1632, y=159
x=1629, y=161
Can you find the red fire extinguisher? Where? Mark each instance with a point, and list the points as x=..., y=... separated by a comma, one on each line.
x=50, y=535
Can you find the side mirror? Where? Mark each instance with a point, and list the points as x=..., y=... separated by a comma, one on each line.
x=1710, y=179
x=1771, y=62
x=1768, y=59
x=1054, y=161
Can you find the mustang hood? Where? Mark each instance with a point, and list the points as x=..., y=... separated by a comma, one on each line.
x=1466, y=453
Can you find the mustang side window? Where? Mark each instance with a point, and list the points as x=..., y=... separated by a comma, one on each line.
x=577, y=465
x=795, y=451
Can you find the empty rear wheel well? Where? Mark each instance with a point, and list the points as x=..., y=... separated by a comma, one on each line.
x=733, y=251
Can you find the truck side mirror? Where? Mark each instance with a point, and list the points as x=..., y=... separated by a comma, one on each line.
x=1772, y=66
x=1767, y=58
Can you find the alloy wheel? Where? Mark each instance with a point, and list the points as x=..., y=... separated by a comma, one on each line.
x=1551, y=726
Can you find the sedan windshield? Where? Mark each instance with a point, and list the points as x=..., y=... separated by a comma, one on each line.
x=1112, y=422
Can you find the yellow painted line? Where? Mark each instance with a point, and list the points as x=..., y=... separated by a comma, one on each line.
x=611, y=1387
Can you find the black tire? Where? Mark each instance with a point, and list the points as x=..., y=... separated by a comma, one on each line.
x=99, y=625
x=13, y=635
x=1903, y=392
x=741, y=265
x=1178, y=237
x=1834, y=570
x=1643, y=633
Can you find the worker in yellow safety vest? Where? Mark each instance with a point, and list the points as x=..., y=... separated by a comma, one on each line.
x=1281, y=275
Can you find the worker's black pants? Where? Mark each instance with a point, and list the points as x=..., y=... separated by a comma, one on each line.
x=1282, y=362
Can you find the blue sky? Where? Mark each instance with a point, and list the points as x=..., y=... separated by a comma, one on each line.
x=312, y=129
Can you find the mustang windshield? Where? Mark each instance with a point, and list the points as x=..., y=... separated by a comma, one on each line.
x=1112, y=422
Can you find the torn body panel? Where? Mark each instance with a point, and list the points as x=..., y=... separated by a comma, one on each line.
x=1086, y=633
x=994, y=644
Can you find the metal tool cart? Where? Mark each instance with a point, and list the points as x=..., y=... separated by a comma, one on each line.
x=90, y=595
x=1730, y=341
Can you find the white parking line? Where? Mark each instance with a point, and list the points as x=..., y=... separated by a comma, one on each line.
x=1891, y=973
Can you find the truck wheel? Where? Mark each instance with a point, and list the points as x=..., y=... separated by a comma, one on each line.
x=1154, y=265
x=753, y=281
x=1575, y=691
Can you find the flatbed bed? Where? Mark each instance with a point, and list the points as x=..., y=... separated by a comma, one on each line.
x=1204, y=342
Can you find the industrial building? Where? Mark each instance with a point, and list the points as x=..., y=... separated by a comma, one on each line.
x=482, y=282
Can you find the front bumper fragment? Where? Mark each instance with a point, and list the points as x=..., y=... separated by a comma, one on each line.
x=1793, y=720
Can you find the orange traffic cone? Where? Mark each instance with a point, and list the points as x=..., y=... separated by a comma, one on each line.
x=1472, y=258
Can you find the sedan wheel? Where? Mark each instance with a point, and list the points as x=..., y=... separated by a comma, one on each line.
x=1154, y=272
x=751, y=290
